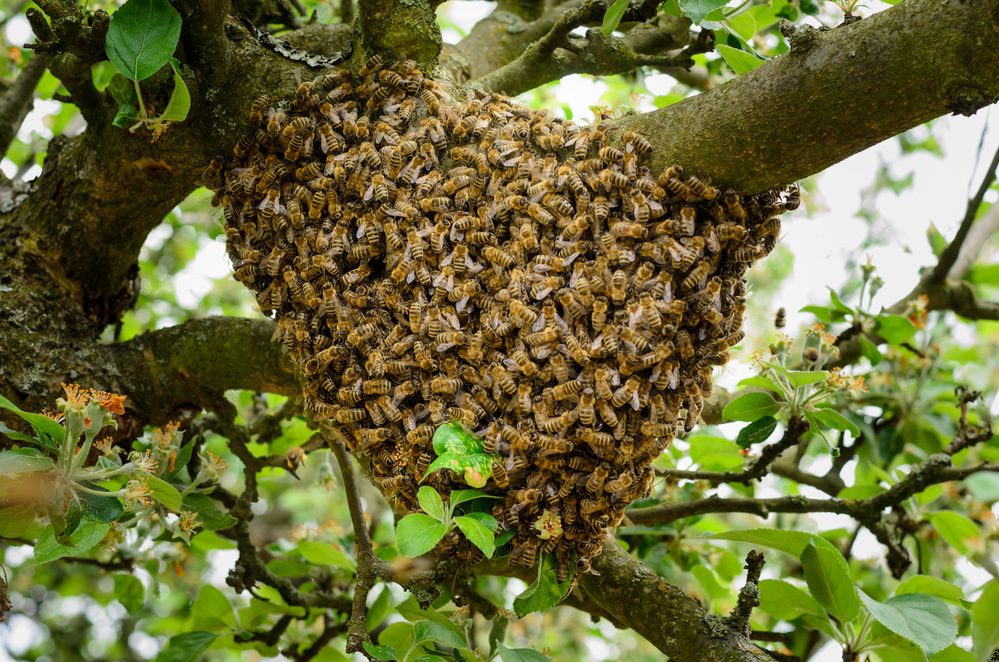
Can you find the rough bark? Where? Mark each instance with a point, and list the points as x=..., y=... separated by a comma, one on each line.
x=836, y=93
x=671, y=620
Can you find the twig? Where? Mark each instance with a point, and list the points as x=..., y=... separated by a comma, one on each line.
x=368, y=565
x=749, y=595
x=949, y=255
x=796, y=427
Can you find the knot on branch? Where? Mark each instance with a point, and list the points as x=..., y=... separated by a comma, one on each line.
x=801, y=38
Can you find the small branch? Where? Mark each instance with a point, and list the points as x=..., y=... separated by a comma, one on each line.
x=977, y=239
x=18, y=99
x=796, y=427
x=557, y=53
x=749, y=595
x=950, y=254
x=369, y=567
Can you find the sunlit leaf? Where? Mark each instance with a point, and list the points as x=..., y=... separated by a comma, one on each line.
x=417, y=534
x=142, y=36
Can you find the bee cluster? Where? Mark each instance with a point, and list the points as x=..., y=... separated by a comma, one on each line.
x=429, y=259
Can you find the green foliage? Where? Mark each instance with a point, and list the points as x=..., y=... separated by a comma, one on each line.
x=417, y=534
x=613, y=16
x=140, y=41
x=544, y=593
x=461, y=451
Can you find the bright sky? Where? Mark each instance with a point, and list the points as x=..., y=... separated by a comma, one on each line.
x=820, y=244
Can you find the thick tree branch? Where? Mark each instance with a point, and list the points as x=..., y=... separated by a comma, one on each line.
x=399, y=30
x=671, y=620
x=196, y=362
x=833, y=95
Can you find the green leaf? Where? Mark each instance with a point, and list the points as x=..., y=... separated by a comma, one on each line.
x=786, y=601
x=805, y=377
x=936, y=240
x=164, y=492
x=142, y=36
x=477, y=533
x=520, y=654
x=985, y=620
x=186, y=647
x=42, y=424
x=984, y=486
x=453, y=438
x=787, y=541
x=715, y=453
x=210, y=514
x=756, y=432
x=740, y=61
x=953, y=654
x=485, y=519
x=126, y=116
x=431, y=502
x=88, y=535
x=929, y=585
x=179, y=104
x=750, y=407
x=23, y=461
x=212, y=608
x=697, y=10
x=837, y=302
x=922, y=619
x=759, y=381
x=613, y=16
x=122, y=90
x=15, y=521
x=380, y=652
x=378, y=610
x=20, y=436
x=461, y=496
x=544, y=593
x=824, y=314
x=104, y=508
x=870, y=350
x=829, y=581
x=834, y=420
x=397, y=636
x=437, y=633
x=956, y=529
x=417, y=534
x=323, y=553
x=129, y=592
x=475, y=469
x=895, y=329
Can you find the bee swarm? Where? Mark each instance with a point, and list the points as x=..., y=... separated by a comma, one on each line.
x=430, y=259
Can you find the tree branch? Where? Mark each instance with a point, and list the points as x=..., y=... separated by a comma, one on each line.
x=836, y=93
x=950, y=254
x=18, y=99
x=194, y=363
x=671, y=620
x=557, y=53
x=399, y=30
x=796, y=427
